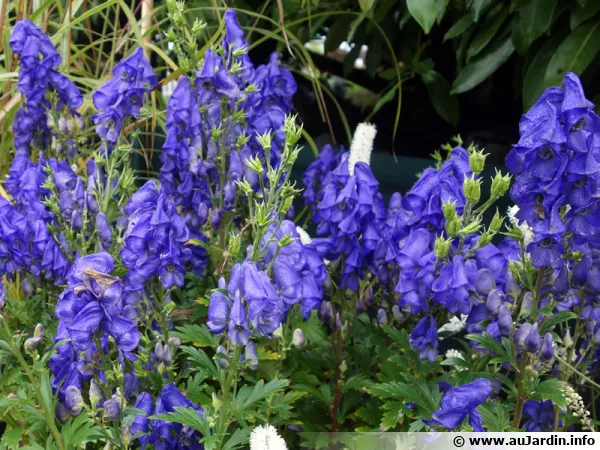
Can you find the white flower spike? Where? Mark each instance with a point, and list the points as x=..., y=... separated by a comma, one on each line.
x=265, y=437
x=362, y=145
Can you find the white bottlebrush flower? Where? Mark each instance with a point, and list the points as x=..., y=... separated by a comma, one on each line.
x=362, y=145
x=265, y=437
x=521, y=224
x=304, y=236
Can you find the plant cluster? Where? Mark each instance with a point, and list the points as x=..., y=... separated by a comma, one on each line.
x=183, y=312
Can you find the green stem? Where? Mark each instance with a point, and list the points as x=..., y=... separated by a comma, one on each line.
x=537, y=294
x=224, y=416
x=48, y=415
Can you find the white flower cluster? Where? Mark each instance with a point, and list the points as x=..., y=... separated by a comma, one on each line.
x=265, y=437
x=575, y=404
x=452, y=353
x=455, y=325
x=527, y=231
x=362, y=145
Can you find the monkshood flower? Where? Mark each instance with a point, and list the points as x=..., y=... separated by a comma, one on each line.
x=251, y=302
x=170, y=435
x=39, y=58
x=458, y=402
x=123, y=95
x=424, y=338
x=154, y=242
x=351, y=214
x=557, y=173
x=92, y=302
x=298, y=269
x=538, y=416
x=315, y=175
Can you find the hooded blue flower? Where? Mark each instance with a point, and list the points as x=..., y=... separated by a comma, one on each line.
x=123, y=95
x=538, y=416
x=458, y=402
x=424, y=338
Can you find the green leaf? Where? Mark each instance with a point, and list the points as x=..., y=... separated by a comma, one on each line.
x=536, y=17
x=12, y=437
x=187, y=417
x=202, y=360
x=495, y=417
x=552, y=389
x=557, y=318
x=249, y=395
x=392, y=390
x=444, y=103
x=520, y=41
x=459, y=27
x=575, y=53
x=477, y=7
x=239, y=436
x=199, y=335
x=482, y=67
x=581, y=14
x=366, y=5
x=424, y=12
x=441, y=6
x=533, y=82
x=486, y=33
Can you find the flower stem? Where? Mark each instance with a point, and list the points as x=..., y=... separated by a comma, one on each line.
x=225, y=413
x=48, y=415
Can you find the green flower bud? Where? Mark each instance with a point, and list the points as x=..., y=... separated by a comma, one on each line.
x=255, y=165
x=471, y=228
x=265, y=141
x=472, y=189
x=500, y=184
x=286, y=240
x=485, y=239
x=497, y=222
x=477, y=161
x=453, y=226
x=449, y=210
x=244, y=186
x=442, y=247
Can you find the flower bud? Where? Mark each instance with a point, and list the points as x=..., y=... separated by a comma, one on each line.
x=298, y=338
x=73, y=400
x=500, y=184
x=338, y=321
x=360, y=306
x=453, y=226
x=222, y=362
x=278, y=333
x=547, y=352
x=26, y=286
x=251, y=355
x=521, y=335
x=477, y=161
x=567, y=339
x=95, y=394
x=325, y=312
x=494, y=302
x=449, y=210
x=112, y=409
x=369, y=296
x=589, y=327
x=496, y=223
x=167, y=357
x=382, y=317
x=504, y=321
x=76, y=220
x=472, y=189
x=441, y=247
x=398, y=314
x=61, y=412
x=32, y=343
x=175, y=341
x=533, y=340
x=159, y=351
x=103, y=229
x=527, y=302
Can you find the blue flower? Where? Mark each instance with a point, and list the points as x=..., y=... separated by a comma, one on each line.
x=458, y=402
x=424, y=338
x=538, y=416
